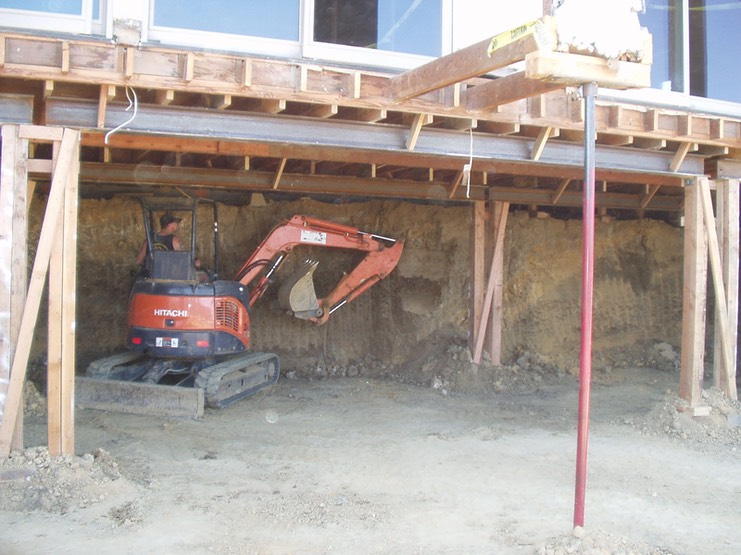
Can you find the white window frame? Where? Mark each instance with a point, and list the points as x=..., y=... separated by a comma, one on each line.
x=49, y=21
x=221, y=41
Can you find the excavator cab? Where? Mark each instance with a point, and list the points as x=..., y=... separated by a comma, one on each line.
x=182, y=265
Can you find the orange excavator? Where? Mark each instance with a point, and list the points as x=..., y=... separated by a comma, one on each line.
x=188, y=327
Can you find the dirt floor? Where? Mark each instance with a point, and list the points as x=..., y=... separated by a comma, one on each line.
x=381, y=437
x=359, y=465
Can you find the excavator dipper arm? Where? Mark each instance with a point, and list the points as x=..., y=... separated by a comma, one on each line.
x=383, y=255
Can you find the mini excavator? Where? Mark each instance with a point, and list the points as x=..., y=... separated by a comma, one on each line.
x=187, y=327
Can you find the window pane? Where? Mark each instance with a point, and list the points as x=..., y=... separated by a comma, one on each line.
x=716, y=50
x=70, y=7
x=409, y=26
x=278, y=19
x=663, y=19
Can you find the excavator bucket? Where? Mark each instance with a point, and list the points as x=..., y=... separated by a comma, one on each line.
x=297, y=293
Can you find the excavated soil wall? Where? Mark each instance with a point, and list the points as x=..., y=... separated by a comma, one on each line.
x=422, y=307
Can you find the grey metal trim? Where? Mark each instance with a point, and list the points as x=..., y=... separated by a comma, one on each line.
x=339, y=134
x=16, y=108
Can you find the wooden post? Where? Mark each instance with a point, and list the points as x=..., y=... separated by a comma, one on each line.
x=491, y=286
x=478, y=265
x=68, y=154
x=13, y=239
x=499, y=222
x=718, y=285
x=694, y=298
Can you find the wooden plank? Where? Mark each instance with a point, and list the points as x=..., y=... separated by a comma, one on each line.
x=494, y=271
x=69, y=151
x=727, y=342
x=650, y=194
x=419, y=121
x=456, y=183
x=694, y=298
x=679, y=156
x=496, y=323
x=478, y=269
x=540, y=143
x=279, y=172
x=221, y=101
x=478, y=59
x=575, y=69
x=321, y=110
x=40, y=133
x=727, y=203
x=107, y=93
x=165, y=96
x=560, y=191
x=139, y=398
x=69, y=307
x=371, y=115
x=54, y=337
x=13, y=252
x=505, y=90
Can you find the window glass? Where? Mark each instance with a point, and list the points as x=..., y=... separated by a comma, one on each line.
x=408, y=26
x=69, y=7
x=715, y=49
x=663, y=20
x=277, y=19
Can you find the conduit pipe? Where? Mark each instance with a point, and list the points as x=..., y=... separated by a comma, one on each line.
x=587, y=287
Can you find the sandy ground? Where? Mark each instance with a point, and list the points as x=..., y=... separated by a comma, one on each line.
x=355, y=465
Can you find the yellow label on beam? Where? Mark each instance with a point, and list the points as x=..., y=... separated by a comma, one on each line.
x=534, y=28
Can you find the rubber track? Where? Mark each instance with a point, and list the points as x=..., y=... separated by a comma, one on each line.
x=210, y=378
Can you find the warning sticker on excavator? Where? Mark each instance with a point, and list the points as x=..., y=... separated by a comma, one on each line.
x=315, y=237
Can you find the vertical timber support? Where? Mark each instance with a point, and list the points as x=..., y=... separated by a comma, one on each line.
x=13, y=239
x=478, y=265
x=727, y=223
x=694, y=298
x=495, y=281
x=63, y=184
x=727, y=343
x=500, y=211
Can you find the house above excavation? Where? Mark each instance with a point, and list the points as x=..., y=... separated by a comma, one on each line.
x=438, y=102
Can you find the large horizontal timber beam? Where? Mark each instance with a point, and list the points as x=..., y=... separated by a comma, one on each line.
x=131, y=178
x=371, y=143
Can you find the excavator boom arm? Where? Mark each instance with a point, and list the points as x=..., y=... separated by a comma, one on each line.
x=383, y=255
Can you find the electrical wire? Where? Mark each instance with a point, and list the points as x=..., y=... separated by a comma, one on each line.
x=132, y=103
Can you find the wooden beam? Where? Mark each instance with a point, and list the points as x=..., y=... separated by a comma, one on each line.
x=69, y=151
x=679, y=156
x=221, y=101
x=371, y=115
x=504, y=90
x=165, y=96
x=478, y=269
x=694, y=298
x=649, y=143
x=560, y=191
x=61, y=316
x=719, y=287
x=496, y=323
x=456, y=183
x=477, y=59
x=279, y=172
x=650, y=194
x=321, y=110
x=540, y=142
x=107, y=93
x=494, y=272
x=419, y=121
x=13, y=251
x=574, y=69
x=266, y=105
x=727, y=202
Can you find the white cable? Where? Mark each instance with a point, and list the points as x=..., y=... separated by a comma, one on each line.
x=135, y=104
x=467, y=167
